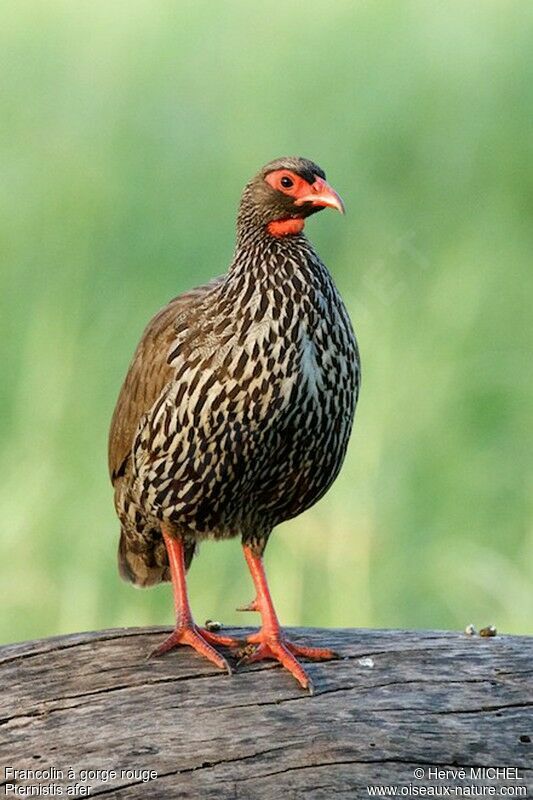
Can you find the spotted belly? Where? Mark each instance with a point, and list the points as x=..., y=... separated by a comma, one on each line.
x=246, y=449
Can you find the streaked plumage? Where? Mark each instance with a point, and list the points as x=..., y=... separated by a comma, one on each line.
x=237, y=408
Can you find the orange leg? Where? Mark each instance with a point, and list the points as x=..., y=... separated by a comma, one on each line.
x=269, y=641
x=186, y=632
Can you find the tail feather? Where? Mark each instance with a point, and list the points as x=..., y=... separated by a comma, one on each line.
x=143, y=558
x=142, y=554
x=142, y=562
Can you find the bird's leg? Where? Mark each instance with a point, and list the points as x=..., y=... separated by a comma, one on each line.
x=270, y=641
x=186, y=632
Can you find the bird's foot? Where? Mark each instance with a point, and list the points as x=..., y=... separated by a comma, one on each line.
x=261, y=646
x=200, y=640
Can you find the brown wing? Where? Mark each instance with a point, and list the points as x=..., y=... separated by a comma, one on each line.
x=147, y=376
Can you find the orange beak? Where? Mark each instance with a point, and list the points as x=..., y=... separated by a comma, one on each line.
x=323, y=195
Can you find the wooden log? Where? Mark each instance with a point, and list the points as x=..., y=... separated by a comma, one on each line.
x=396, y=708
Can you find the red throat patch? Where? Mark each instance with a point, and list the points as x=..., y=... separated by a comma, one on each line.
x=286, y=227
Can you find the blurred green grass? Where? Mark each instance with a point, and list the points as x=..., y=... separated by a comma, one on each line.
x=128, y=132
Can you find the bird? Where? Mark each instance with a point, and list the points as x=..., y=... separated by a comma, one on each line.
x=236, y=411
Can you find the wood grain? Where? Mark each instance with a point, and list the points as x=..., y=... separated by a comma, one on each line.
x=396, y=701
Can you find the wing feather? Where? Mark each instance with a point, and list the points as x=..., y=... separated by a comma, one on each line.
x=147, y=376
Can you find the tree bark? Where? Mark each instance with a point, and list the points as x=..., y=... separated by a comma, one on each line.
x=394, y=710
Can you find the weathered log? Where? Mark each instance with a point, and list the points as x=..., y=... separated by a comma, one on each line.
x=396, y=702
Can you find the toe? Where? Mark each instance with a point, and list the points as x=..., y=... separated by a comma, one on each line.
x=277, y=651
x=250, y=607
x=219, y=639
x=312, y=653
x=287, y=659
x=195, y=639
x=168, y=644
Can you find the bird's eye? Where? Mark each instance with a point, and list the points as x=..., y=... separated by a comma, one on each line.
x=286, y=182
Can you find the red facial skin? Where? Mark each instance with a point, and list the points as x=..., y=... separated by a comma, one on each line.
x=318, y=193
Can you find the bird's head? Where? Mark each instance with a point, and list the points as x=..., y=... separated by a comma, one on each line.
x=284, y=192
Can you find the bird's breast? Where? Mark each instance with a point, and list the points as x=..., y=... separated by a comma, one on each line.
x=263, y=393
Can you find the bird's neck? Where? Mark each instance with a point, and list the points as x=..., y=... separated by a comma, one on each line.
x=265, y=269
x=260, y=255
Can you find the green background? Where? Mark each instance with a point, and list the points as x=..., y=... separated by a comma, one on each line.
x=128, y=130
